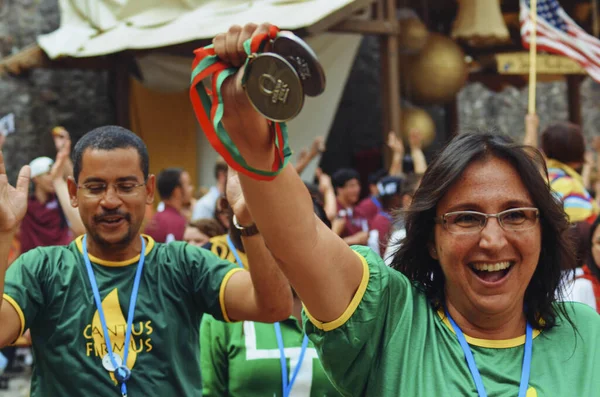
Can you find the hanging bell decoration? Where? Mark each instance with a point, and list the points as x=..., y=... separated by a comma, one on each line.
x=480, y=23
x=413, y=32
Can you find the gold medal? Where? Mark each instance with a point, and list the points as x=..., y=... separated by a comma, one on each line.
x=273, y=87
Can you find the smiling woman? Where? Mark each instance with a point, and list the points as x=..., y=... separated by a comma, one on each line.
x=487, y=174
x=472, y=309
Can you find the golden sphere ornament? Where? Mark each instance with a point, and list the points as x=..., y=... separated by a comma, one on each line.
x=413, y=35
x=419, y=120
x=435, y=74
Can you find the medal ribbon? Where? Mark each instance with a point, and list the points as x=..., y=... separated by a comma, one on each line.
x=208, y=107
x=287, y=386
x=120, y=371
x=525, y=371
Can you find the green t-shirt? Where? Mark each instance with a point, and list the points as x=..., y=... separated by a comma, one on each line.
x=243, y=359
x=50, y=289
x=390, y=342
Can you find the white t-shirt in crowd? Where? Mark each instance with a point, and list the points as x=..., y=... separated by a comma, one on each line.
x=579, y=289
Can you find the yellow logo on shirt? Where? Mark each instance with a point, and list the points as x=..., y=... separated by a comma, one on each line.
x=531, y=392
x=116, y=325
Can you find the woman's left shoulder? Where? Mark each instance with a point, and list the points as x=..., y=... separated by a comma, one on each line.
x=582, y=315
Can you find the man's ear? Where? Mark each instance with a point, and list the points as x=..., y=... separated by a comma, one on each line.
x=432, y=250
x=72, y=187
x=150, y=187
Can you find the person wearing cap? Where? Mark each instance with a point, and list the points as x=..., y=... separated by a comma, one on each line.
x=564, y=147
x=370, y=206
x=50, y=218
x=390, y=197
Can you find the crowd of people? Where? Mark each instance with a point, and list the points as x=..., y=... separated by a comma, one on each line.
x=476, y=274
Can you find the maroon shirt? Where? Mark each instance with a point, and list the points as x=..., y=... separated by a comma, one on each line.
x=43, y=225
x=382, y=222
x=368, y=207
x=355, y=221
x=165, y=223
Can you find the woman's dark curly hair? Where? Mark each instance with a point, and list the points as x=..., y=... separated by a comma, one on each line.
x=413, y=258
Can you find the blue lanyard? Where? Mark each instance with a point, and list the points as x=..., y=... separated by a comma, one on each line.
x=235, y=252
x=287, y=386
x=376, y=202
x=122, y=373
x=473, y=367
x=386, y=216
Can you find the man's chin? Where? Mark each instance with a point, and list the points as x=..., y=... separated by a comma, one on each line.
x=113, y=241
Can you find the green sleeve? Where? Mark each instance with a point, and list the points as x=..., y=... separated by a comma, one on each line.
x=350, y=347
x=24, y=288
x=213, y=357
x=208, y=275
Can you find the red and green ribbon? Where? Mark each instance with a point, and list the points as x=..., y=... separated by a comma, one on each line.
x=208, y=107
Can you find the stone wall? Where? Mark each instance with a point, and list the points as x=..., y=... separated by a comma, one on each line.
x=42, y=99
x=481, y=108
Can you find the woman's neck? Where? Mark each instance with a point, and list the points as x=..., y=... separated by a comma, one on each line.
x=507, y=325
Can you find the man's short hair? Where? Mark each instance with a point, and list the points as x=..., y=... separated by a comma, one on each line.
x=342, y=176
x=220, y=167
x=376, y=176
x=564, y=142
x=167, y=181
x=110, y=137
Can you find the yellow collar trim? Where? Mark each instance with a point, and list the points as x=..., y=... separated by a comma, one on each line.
x=127, y=262
x=490, y=343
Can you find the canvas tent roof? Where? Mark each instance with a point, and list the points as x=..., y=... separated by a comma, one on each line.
x=98, y=27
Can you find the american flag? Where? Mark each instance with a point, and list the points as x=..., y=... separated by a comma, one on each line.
x=557, y=33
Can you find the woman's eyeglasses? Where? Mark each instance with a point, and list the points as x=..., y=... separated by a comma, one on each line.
x=466, y=222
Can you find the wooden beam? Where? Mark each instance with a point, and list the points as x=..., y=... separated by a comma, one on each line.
x=120, y=75
x=366, y=27
x=390, y=79
x=33, y=57
x=574, y=98
x=29, y=57
x=338, y=16
x=451, y=119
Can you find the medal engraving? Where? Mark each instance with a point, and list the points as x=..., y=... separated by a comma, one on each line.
x=302, y=68
x=280, y=90
x=274, y=87
x=304, y=61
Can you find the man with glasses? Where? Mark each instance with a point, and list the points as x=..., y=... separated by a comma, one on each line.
x=115, y=311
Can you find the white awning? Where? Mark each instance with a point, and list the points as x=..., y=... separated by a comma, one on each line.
x=98, y=27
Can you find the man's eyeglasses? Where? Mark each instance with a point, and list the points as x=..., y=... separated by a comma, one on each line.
x=99, y=189
x=466, y=222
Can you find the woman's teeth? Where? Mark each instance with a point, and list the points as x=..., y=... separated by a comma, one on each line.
x=491, y=267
